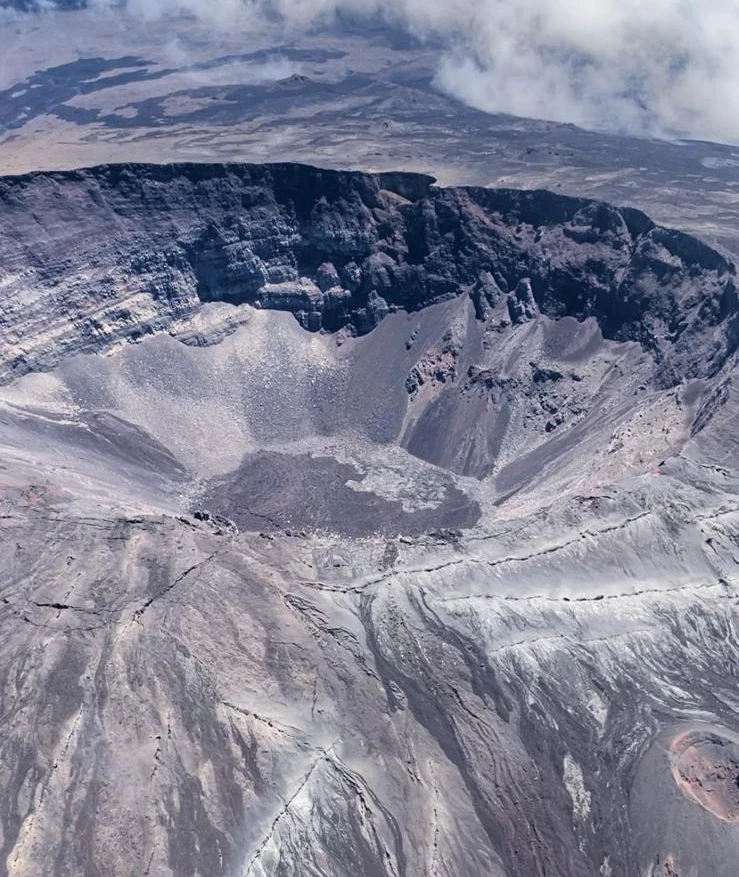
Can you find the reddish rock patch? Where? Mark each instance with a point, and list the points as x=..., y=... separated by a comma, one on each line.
x=705, y=767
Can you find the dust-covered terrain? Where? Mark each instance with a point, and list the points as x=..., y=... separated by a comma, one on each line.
x=354, y=525
x=365, y=523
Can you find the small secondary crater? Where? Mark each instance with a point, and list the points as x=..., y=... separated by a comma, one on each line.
x=705, y=767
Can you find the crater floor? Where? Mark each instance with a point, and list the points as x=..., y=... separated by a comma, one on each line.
x=446, y=587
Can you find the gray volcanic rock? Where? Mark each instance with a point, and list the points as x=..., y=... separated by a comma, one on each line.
x=111, y=253
x=439, y=578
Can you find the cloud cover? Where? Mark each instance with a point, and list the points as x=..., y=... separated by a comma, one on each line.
x=663, y=67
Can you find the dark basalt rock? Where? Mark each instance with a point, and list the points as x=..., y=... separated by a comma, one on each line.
x=342, y=250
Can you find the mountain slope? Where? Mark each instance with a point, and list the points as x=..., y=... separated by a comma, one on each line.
x=439, y=578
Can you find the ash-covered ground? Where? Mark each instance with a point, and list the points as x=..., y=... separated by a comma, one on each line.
x=351, y=524
x=441, y=583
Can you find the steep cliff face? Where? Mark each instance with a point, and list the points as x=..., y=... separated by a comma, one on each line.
x=438, y=579
x=94, y=256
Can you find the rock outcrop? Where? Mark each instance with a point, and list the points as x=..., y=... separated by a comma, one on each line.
x=94, y=256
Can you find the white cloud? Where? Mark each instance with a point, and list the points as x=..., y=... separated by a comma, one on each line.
x=667, y=67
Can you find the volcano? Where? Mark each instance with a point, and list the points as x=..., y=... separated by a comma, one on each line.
x=353, y=524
